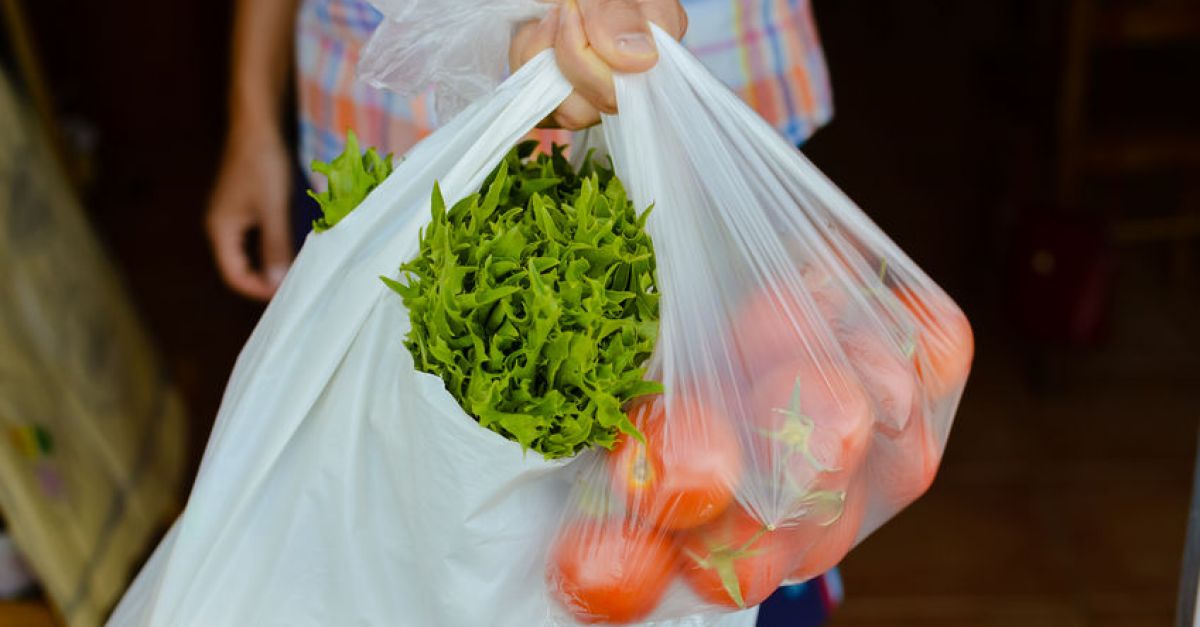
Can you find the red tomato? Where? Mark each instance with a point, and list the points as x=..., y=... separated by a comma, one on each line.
x=773, y=325
x=686, y=472
x=902, y=466
x=735, y=561
x=829, y=296
x=945, y=344
x=820, y=544
x=885, y=372
x=815, y=424
x=610, y=572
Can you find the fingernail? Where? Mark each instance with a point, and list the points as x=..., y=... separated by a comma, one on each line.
x=275, y=274
x=635, y=43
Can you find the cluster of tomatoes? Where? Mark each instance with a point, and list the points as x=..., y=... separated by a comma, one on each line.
x=736, y=497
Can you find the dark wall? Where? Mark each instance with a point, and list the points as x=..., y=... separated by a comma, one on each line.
x=141, y=86
x=934, y=101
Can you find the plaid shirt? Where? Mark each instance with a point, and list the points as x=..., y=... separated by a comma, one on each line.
x=767, y=51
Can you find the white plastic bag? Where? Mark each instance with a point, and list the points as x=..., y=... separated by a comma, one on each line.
x=341, y=486
x=458, y=48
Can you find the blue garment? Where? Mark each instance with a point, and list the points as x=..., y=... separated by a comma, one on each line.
x=304, y=208
x=803, y=605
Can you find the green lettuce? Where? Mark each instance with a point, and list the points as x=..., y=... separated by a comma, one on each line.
x=351, y=176
x=535, y=301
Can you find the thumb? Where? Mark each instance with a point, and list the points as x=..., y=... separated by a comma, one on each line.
x=619, y=33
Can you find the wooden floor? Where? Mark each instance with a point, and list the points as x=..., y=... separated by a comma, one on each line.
x=25, y=614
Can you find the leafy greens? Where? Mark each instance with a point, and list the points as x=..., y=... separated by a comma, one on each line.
x=351, y=176
x=535, y=301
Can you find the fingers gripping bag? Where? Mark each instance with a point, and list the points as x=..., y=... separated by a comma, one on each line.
x=647, y=384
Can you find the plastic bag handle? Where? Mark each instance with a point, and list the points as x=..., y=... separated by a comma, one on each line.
x=456, y=48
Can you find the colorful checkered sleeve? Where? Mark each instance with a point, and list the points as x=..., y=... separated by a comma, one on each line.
x=767, y=51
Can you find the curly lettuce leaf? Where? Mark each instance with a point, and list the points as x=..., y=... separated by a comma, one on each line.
x=535, y=301
x=351, y=176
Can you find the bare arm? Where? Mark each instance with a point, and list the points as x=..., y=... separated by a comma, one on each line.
x=263, y=32
x=253, y=181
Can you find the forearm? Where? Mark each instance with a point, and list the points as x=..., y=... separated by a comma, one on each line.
x=263, y=32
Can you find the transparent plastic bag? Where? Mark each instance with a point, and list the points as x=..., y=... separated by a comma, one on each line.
x=811, y=370
x=804, y=402
x=457, y=48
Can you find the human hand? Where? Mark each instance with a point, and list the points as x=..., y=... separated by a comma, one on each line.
x=252, y=193
x=591, y=40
